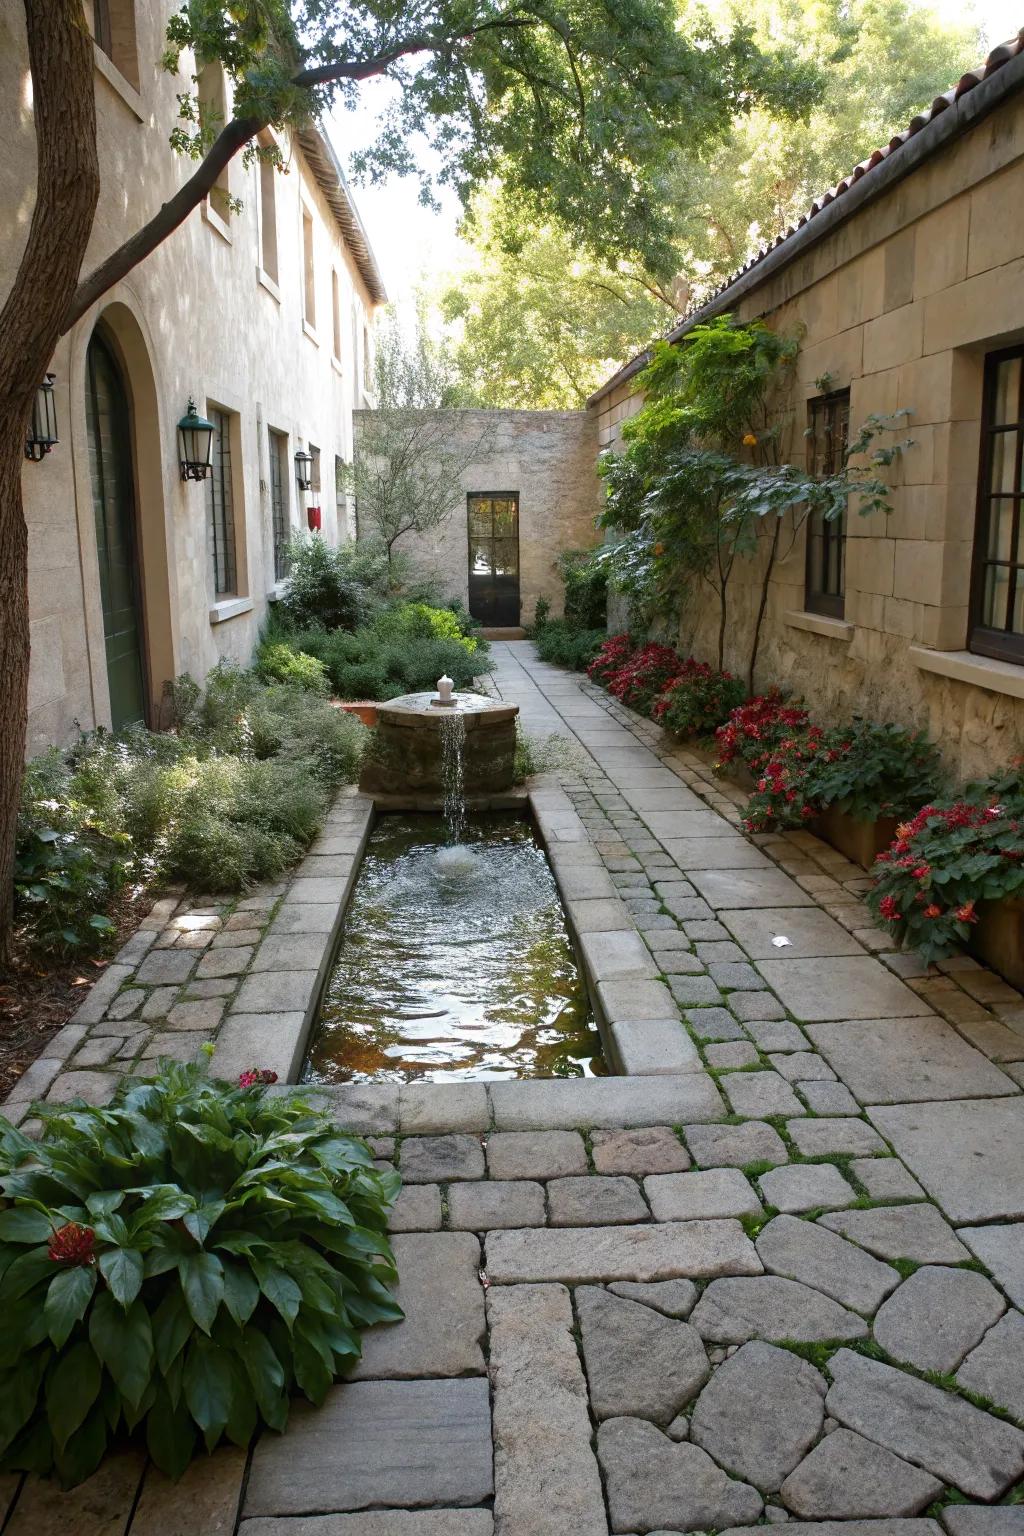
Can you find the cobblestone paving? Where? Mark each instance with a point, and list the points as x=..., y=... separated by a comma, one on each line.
x=773, y=1274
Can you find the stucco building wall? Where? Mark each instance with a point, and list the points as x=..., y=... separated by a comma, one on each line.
x=199, y=317
x=547, y=457
x=900, y=303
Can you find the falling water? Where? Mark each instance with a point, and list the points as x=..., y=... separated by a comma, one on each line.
x=453, y=740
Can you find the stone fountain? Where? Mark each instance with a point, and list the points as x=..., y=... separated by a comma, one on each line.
x=431, y=746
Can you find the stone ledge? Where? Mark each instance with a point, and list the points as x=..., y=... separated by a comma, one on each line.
x=965, y=667
x=821, y=624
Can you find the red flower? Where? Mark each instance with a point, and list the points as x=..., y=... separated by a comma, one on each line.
x=966, y=913
x=889, y=909
x=256, y=1077
x=932, y=910
x=921, y=872
x=73, y=1244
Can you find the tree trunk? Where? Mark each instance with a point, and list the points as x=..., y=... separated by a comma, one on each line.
x=61, y=59
x=762, y=605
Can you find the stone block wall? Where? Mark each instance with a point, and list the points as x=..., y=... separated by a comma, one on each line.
x=548, y=458
x=899, y=303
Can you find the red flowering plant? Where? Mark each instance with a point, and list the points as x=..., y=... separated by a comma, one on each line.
x=644, y=676
x=175, y=1265
x=754, y=729
x=946, y=862
x=698, y=700
x=780, y=796
x=612, y=656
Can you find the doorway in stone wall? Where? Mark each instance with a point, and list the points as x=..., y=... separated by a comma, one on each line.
x=493, y=519
x=109, y=426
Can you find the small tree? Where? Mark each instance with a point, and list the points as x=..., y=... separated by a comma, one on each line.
x=704, y=479
x=411, y=450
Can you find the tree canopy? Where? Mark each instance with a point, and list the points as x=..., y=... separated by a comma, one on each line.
x=542, y=321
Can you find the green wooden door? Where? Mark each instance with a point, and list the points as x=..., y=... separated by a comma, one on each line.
x=110, y=468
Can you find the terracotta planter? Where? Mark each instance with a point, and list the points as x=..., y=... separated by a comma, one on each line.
x=859, y=841
x=998, y=938
x=362, y=709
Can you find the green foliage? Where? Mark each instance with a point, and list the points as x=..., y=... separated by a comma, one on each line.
x=585, y=579
x=704, y=472
x=277, y=662
x=869, y=771
x=948, y=861
x=338, y=588
x=234, y=794
x=565, y=645
x=404, y=650
x=174, y=1266
x=698, y=701
x=882, y=61
x=68, y=864
x=541, y=615
x=543, y=328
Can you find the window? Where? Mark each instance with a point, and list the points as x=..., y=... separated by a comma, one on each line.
x=346, y=528
x=279, y=520
x=828, y=434
x=221, y=506
x=336, y=312
x=308, y=275
x=213, y=115
x=268, y=213
x=112, y=23
x=997, y=587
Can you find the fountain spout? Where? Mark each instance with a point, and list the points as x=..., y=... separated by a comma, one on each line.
x=444, y=698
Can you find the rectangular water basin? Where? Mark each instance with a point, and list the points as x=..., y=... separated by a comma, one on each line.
x=455, y=964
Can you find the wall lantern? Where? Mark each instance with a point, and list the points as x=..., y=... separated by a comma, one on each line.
x=304, y=470
x=195, y=443
x=42, y=434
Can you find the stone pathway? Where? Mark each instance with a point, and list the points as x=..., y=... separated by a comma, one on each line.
x=773, y=1273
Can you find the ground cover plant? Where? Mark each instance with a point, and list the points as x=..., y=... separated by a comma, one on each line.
x=565, y=645
x=948, y=861
x=233, y=793
x=174, y=1266
x=697, y=700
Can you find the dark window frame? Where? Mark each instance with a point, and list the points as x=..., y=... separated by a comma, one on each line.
x=825, y=541
x=221, y=507
x=985, y=639
x=280, y=521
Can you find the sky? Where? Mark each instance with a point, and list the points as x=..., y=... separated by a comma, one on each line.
x=413, y=244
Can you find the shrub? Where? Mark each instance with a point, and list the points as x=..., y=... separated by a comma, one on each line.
x=541, y=616
x=67, y=865
x=697, y=701
x=232, y=796
x=381, y=663
x=612, y=656
x=585, y=578
x=279, y=662
x=175, y=1265
x=866, y=770
x=421, y=621
x=644, y=676
x=755, y=728
x=562, y=644
x=944, y=863
x=339, y=588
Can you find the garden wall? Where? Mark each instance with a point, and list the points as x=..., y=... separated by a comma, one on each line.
x=545, y=456
x=900, y=302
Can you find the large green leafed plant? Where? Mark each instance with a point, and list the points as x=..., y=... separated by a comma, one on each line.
x=176, y=1265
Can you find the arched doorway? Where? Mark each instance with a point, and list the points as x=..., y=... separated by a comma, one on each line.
x=109, y=427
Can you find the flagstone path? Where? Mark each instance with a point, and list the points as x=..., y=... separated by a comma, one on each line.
x=773, y=1272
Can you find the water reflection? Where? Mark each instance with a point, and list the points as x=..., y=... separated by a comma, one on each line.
x=455, y=964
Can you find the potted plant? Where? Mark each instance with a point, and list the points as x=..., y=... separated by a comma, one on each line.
x=752, y=732
x=955, y=876
x=864, y=781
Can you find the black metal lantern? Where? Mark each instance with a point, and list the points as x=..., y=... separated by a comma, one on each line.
x=42, y=434
x=304, y=470
x=195, y=443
